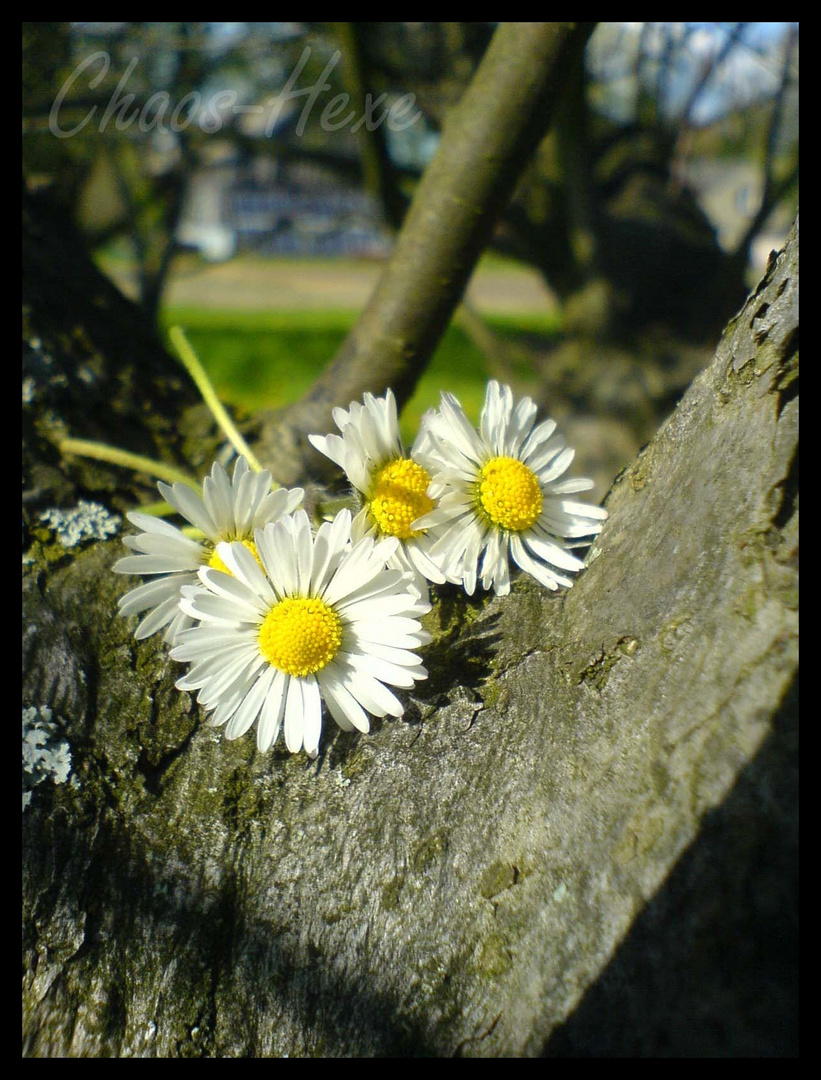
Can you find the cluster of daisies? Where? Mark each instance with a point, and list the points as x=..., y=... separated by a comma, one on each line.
x=274, y=617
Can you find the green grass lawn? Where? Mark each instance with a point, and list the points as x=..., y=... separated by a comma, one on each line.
x=267, y=359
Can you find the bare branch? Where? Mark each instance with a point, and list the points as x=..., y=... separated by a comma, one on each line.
x=487, y=141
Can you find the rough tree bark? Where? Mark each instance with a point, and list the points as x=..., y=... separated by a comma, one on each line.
x=581, y=838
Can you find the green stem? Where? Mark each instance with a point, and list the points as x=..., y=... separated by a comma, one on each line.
x=157, y=509
x=197, y=372
x=136, y=462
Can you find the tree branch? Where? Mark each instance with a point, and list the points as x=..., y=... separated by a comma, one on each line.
x=487, y=141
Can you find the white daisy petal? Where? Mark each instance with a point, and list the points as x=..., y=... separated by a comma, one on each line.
x=539, y=435
x=543, y=574
x=304, y=551
x=375, y=607
x=329, y=550
x=491, y=557
x=277, y=504
x=380, y=669
x=212, y=673
x=218, y=498
x=231, y=585
x=441, y=515
x=234, y=680
x=209, y=606
x=152, y=593
x=268, y=646
x=342, y=705
x=396, y=490
x=276, y=550
x=246, y=570
x=229, y=510
x=557, y=467
x=251, y=704
x=422, y=563
x=522, y=421
x=312, y=715
x=544, y=457
x=152, y=564
x=273, y=707
x=385, y=582
x=358, y=567
x=342, y=417
x=475, y=537
x=248, y=492
x=175, y=547
x=363, y=525
x=191, y=506
x=499, y=496
x=582, y=510
x=372, y=694
x=178, y=625
x=375, y=633
x=455, y=426
x=161, y=615
x=393, y=627
x=570, y=487
x=159, y=527
x=493, y=420
x=213, y=681
x=553, y=553
x=294, y=716
x=226, y=709
x=393, y=655
x=210, y=643
x=332, y=446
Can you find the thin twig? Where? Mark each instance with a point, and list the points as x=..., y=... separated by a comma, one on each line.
x=136, y=462
x=209, y=395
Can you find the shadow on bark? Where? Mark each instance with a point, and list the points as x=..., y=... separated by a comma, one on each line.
x=123, y=890
x=710, y=967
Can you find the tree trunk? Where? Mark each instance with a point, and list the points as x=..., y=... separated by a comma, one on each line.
x=580, y=839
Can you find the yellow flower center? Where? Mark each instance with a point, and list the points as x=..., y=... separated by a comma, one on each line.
x=300, y=635
x=216, y=563
x=509, y=493
x=399, y=497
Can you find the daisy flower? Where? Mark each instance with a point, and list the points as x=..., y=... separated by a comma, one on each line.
x=316, y=618
x=228, y=510
x=393, y=484
x=500, y=495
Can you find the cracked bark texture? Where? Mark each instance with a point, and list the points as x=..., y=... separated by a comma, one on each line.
x=580, y=840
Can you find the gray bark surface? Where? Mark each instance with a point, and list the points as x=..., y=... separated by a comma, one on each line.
x=580, y=839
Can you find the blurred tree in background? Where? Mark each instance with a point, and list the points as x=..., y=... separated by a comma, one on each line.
x=607, y=210
x=613, y=208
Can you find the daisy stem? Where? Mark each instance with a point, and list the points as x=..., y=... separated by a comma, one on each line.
x=195, y=369
x=157, y=509
x=116, y=456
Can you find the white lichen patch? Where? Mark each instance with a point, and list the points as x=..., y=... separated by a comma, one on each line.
x=87, y=521
x=46, y=756
x=28, y=390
